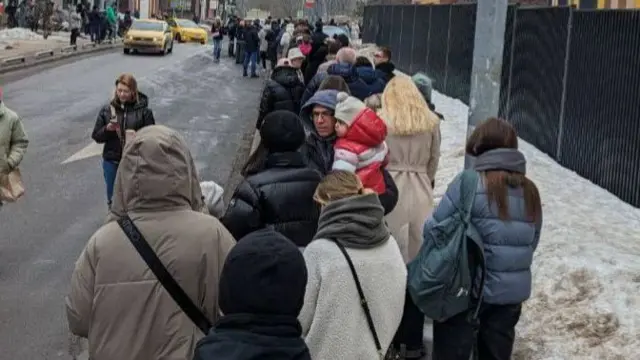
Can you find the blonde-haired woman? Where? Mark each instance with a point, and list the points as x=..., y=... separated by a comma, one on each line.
x=414, y=151
x=127, y=110
x=351, y=250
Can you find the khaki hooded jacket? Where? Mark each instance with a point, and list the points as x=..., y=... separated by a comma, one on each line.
x=13, y=140
x=116, y=301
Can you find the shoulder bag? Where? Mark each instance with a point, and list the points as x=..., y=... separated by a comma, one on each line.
x=160, y=271
x=363, y=301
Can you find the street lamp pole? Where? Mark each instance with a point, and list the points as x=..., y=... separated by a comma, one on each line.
x=484, y=99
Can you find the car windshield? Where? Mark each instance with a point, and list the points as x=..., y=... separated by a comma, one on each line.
x=334, y=30
x=186, y=23
x=146, y=26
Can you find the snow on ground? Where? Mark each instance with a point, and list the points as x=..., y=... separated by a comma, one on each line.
x=586, y=292
x=12, y=37
x=19, y=34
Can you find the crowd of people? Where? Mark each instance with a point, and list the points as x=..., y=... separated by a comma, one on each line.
x=331, y=246
x=98, y=24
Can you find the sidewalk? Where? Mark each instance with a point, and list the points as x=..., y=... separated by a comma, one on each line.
x=24, y=42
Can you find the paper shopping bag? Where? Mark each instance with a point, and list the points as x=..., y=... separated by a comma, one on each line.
x=11, y=187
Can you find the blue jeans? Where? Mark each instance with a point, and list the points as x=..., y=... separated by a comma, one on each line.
x=109, y=170
x=217, y=48
x=250, y=57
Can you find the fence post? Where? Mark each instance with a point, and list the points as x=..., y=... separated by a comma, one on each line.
x=563, y=99
x=399, y=52
x=446, y=56
x=391, y=7
x=513, y=50
x=413, y=37
x=428, y=37
x=484, y=99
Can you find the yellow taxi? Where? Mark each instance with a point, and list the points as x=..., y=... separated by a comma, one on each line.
x=187, y=31
x=148, y=36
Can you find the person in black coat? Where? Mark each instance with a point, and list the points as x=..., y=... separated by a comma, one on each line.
x=128, y=110
x=251, y=49
x=282, y=92
x=384, y=67
x=261, y=293
x=231, y=30
x=277, y=190
x=272, y=44
x=95, y=22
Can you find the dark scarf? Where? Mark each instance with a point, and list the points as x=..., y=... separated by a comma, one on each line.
x=357, y=222
x=501, y=159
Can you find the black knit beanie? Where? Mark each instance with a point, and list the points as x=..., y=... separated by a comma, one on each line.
x=264, y=274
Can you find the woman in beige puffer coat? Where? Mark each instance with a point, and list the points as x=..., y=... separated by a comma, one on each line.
x=115, y=300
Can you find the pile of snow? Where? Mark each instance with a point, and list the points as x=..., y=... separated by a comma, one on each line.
x=586, y=292
x=18, y=34
x=11, y=38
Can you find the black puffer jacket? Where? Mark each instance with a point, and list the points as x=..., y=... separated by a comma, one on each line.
x=279, y=197
x=282, y=92
x=131, y=116
x=251, y=39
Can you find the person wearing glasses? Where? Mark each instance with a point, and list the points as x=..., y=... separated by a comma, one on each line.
x=318, y=117
x=384, y=67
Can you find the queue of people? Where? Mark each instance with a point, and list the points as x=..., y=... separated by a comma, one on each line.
x=330, y=247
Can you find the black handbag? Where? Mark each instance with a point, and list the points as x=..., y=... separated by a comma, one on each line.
x=160, y=271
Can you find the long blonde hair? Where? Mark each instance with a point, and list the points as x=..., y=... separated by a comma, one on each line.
x=338, y=184
x=405, y=110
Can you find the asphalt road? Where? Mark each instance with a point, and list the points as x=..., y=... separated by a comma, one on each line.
x=42, y=235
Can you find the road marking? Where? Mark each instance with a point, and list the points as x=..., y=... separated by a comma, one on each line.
x=91, y=150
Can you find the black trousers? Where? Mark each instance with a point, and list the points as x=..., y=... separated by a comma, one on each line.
x=263, y=59
x=410, y=332
x=492, y=334
x=74, y=36
x=231, y=48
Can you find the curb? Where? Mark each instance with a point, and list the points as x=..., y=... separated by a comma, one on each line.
x=10, y=64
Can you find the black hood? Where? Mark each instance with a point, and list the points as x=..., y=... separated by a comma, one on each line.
x=264, y=274
x=141, y=103
x=286, y=76
x=248, y=337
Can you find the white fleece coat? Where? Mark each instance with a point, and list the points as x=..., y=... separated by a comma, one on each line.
x=332, y=319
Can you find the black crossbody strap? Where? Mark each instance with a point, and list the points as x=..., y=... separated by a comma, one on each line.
x=160, y=271
x=363, y=300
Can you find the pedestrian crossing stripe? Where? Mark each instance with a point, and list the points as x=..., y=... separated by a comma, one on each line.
x=91, y=150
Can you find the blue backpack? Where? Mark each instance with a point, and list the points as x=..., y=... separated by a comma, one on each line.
x=439, y=278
